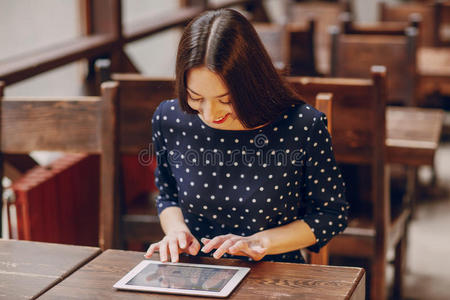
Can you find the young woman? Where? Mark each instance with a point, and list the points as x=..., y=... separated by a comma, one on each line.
x=245, y=168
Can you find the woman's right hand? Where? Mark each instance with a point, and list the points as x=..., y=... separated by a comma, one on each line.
x=173, y=244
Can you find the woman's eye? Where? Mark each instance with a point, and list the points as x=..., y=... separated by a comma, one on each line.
x=195, y=99
x=225, y=102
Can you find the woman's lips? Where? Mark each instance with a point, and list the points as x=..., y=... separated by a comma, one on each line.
x=221, y=120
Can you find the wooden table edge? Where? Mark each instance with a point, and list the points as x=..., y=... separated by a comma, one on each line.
x=68, y=273
x=359, y=281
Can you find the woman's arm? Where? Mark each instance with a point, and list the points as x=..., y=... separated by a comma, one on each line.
x=178, y=238
x=282, y=239
x=293, y=236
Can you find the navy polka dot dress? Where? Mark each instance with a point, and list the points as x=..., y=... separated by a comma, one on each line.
x=246, y=181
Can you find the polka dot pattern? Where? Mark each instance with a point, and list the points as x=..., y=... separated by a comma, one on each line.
x=243, y=182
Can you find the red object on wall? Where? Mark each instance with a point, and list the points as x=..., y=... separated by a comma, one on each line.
x=60, y=203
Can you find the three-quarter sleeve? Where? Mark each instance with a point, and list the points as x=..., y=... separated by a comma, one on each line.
x=324, y=188
x=166, y=183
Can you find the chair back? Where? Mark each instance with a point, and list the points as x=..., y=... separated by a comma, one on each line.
x=138, y=98
x=291, y=46
x=402, y=12
x=359, y=133
x=325, y=14
x=354, y=54
x=78, y=124
x=323, y=103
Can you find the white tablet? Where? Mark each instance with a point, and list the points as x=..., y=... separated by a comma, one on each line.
x=182, y=278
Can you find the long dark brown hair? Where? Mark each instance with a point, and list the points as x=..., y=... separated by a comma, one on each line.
x=226, y=43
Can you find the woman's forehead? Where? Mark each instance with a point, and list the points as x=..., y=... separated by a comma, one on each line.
x=204, y=82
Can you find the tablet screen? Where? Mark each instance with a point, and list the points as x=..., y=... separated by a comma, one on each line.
x=183, y=277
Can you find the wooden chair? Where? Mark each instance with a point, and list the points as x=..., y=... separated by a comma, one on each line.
x=354, y=54
x=403, y=12
x=359, y=130
x=325, y=14
x=323, y=103
x=139, y=96
x=82, y=124
x=291, y=46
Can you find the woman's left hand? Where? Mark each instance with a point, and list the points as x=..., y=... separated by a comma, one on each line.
x=234, y=245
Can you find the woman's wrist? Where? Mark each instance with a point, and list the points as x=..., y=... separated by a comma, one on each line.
x=263, y=239
x=293, y=236
x=172, y=220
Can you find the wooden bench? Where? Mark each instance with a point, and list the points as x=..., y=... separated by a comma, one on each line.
x=359, y=130
x=82, y=124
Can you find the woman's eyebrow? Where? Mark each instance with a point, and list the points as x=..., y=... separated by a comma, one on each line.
x=201, y=95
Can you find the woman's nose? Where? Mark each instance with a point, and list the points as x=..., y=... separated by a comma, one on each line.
x=210, y=111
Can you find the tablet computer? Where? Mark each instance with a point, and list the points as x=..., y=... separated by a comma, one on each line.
x=182, y=278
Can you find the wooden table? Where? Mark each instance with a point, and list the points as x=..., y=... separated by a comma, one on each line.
x=433, y=68
x=413, y=135
x=28, y=269
x=265, y=280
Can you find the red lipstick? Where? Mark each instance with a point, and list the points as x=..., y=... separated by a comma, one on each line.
x=221, y=120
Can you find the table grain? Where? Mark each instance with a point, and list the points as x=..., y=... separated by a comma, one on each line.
x=28, y=269
x=266, y=280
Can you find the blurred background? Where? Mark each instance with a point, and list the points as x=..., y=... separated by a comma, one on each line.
x=53, y=48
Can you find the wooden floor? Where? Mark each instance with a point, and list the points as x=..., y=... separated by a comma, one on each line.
x=428, y=262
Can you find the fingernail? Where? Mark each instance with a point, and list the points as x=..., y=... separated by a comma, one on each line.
x=182, y=245
x=203, y=249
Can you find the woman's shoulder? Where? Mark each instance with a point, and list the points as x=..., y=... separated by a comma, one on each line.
x=166, y=110
x=165, y=105
x=305, y=114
